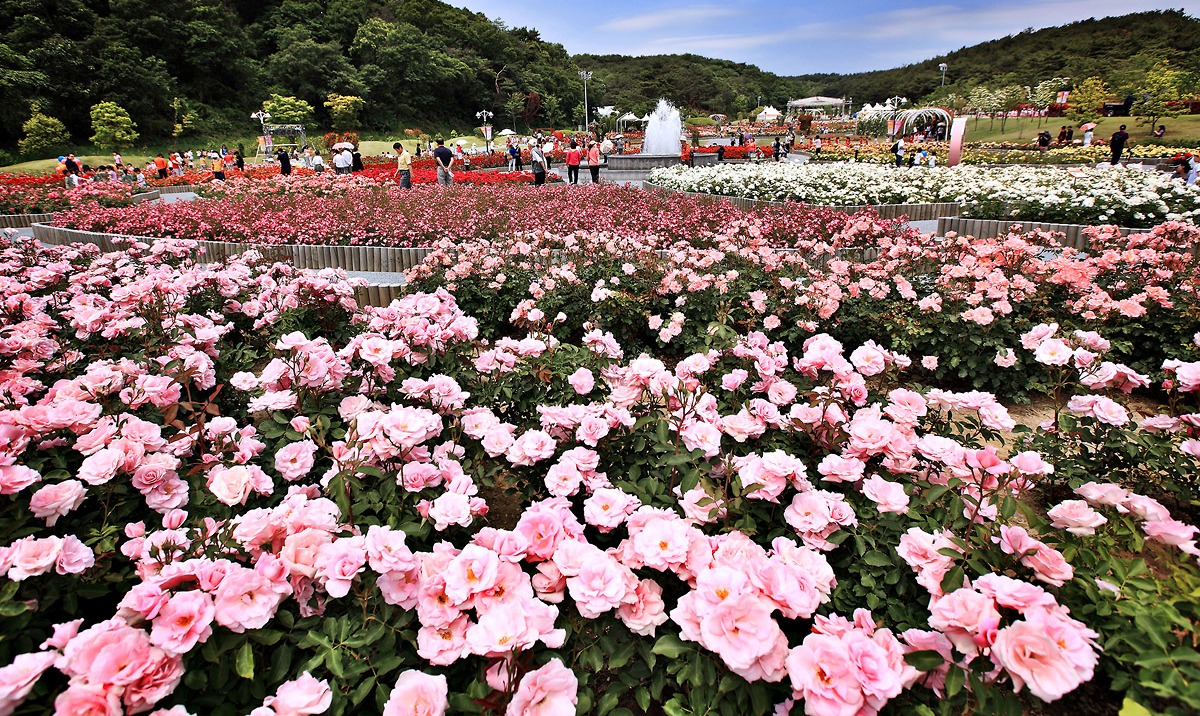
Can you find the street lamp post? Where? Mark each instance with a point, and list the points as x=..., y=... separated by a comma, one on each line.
x=943, y=68
x=484, y=116
x=585, y=76
x=263, y=117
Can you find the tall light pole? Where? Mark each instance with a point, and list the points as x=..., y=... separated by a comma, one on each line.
x=943, y=68
x=484, y=116
x=585, y=76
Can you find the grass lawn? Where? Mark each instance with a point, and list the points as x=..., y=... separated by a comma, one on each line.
x=1025, y=129
x=46, y=166
x=370, y=148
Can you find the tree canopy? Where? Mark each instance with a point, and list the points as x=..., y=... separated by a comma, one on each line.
x=183, y=67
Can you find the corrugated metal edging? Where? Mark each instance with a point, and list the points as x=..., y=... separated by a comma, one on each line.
x=992, y=228
x=378, y=294
x=23, y=221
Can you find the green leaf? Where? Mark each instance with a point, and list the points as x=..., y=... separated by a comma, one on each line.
x=642, y=697
x=244, y=664
x=953, y=579
x=925, y=660
x=955, y=678
x=875, y=558
x=670, y=646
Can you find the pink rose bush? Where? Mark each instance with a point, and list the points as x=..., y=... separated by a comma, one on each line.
x=229, y=486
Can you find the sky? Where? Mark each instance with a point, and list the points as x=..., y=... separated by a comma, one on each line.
x=796, y=37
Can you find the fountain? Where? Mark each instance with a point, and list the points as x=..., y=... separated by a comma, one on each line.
x=664, y=131
x=661, y=147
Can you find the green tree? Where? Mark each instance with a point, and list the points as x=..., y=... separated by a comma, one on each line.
x=1045, y=93
x=552, y=110
x=288, y=110
x=18, y=82
x=42, y=132
x=1160, y=93
x=1087, y=99
x=1010, y=98
x=112, y=126
x=343, y=111
x=514, y=106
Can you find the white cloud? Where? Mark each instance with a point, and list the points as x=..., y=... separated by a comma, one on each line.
x=667, y=18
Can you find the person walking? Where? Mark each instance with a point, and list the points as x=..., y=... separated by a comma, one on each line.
x=1117, y=144
x=285, y=163
x=594, y=161
x=160, y=165
x=444, y=158
x=513, y=155
x=218, y=166
x=239, y=161
x=537, y=161
x=898, y=150
x=403, y=165
x=574, y=157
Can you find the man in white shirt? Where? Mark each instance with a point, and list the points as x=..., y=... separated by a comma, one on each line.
x=342, y=161
x=898, y=150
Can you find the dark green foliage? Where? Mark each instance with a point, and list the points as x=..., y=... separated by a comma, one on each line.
x=1118, y=49
x=427, y=64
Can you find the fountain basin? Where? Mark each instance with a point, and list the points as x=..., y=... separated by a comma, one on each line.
x=636, y=167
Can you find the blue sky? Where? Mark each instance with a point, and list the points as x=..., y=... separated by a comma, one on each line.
x=791, y=38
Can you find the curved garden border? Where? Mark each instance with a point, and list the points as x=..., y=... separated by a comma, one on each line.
x=24, y=221
x=992, y=228
x=351, y=258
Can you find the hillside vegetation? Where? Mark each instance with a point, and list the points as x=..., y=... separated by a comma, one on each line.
x=198, y=68
x=1119, y=50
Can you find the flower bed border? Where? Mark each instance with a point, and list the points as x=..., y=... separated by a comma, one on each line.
x=992, y=228
x=914, y=212
x=351, y=258
x=25, y=221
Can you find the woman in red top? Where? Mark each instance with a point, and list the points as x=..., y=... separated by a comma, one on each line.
x=574, y=157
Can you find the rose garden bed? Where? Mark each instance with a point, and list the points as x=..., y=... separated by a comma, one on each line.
x=231, y=488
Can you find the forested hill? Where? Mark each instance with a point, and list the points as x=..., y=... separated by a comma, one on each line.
x=407, y=59
x=1117, y=49
x=200, y=67
x=691, y=81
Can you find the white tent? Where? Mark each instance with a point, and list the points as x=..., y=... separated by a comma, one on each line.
x=769, y=114
x=627, y=117
x=808, y=102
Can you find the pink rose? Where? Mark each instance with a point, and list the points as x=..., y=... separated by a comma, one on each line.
x=184, y=622
x=14, y=478
x=1033, y=658
x=53, y=501
x=101, y=466
x=18, y=678
x=295, y=460
x=418, y=694
x=549, y=691
x=303, y=696
x=1076, y=517
x=887, y=496
x=582, y=381
x=88, y=699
